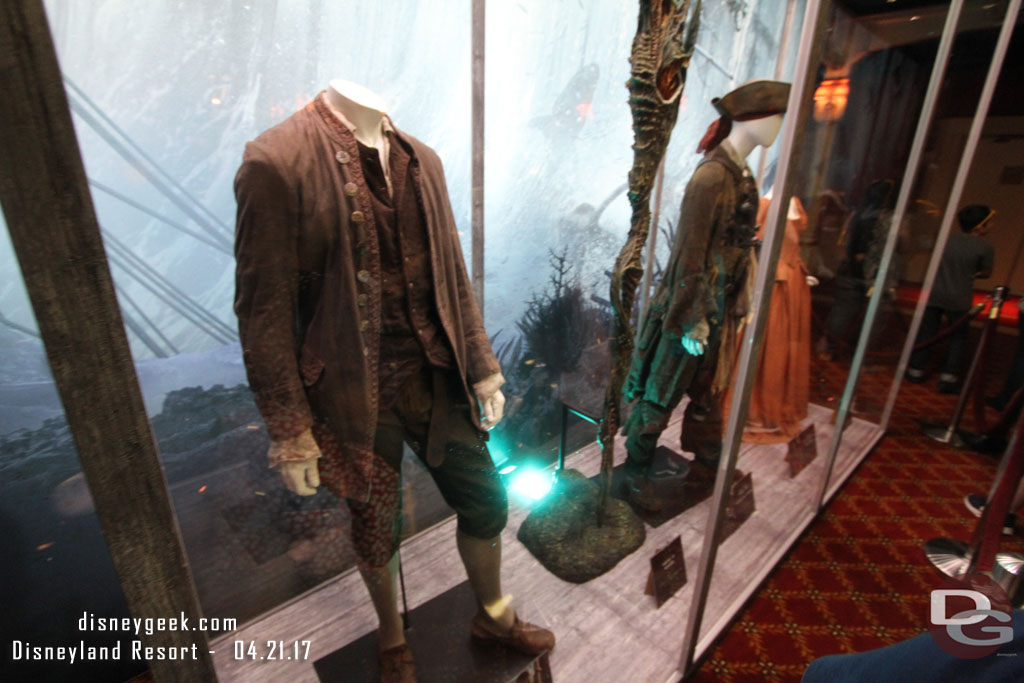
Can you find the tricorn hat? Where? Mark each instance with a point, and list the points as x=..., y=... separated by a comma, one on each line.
x=753, y=100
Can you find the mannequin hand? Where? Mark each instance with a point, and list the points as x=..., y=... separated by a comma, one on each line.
x=696, y=340
x=300, y=476
x=295, y=459
x=812, y=281
x=492, y=401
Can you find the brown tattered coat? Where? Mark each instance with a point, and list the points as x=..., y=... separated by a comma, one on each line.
x=704, y=282
x=308, y=283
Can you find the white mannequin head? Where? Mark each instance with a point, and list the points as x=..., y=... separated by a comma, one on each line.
x=746, y=135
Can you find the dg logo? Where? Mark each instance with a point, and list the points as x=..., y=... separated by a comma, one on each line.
x=970, y=616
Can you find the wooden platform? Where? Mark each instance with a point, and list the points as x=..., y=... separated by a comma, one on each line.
x=606, y=626
x=441, y=654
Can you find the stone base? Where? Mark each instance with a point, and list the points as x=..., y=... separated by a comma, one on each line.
x=563, y=532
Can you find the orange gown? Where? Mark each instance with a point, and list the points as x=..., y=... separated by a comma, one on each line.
x=778, y=401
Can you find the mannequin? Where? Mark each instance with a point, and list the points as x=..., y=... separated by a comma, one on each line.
x=426, y=377
x=742, y=140
x=686, y=342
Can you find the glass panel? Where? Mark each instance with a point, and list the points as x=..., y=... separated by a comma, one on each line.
x=165, y=97
x=555, y=182
x=56, y=564
x=775, y=482
x=903, y=69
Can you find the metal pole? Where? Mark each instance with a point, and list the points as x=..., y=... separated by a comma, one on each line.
x=562, y=439
x=406, y=621
x=479, y=24
x=799, y=110
x=954, y=557
x=913, y=162
x=949, y=434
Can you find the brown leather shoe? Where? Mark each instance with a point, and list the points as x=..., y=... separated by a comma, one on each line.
x=522, y=637
x=395, y=665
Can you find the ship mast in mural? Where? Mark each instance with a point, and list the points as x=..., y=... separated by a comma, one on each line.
x=662, y=48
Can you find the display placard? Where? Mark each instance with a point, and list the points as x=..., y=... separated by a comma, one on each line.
x=668, y=572
x=740, y=504
x=802, y=450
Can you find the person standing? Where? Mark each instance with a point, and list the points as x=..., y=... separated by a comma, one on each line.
x=967, y=257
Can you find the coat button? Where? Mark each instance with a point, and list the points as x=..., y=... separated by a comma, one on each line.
x=363, y=276
x=361, y=299
x=343, y=157
x=364, y=324
x=351, y=189
x=357, y=217
x=366, y=351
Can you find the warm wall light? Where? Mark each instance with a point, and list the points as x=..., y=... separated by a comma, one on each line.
x=830, y=99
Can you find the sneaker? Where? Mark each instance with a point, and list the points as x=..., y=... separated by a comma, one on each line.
x=975, y=502
x=915, y=376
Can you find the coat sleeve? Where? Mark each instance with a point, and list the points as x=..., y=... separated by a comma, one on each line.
x=480, y=359
x=266, y=281
x=691, y=299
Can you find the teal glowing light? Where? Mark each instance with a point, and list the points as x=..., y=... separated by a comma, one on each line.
x=506, y=470
x=530, y=484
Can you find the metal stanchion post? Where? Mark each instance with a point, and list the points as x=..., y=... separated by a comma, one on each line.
x=948, y=434
x=953, y=557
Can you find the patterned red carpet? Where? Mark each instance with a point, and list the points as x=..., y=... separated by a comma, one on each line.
x=858, y=579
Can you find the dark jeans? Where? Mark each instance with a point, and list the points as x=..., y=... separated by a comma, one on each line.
x=930, y=324
x=850, y=300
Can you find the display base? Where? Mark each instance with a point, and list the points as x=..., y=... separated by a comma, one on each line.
x=948, y=555
x=942, y=434
x=564, y=535
x=694, y=483
x=442, y=648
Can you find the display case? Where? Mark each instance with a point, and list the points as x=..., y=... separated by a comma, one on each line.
x=524, y=105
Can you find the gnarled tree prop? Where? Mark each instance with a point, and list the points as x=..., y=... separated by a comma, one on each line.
x=661, y=54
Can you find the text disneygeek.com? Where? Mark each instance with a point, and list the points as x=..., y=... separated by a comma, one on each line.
x=135, y=649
